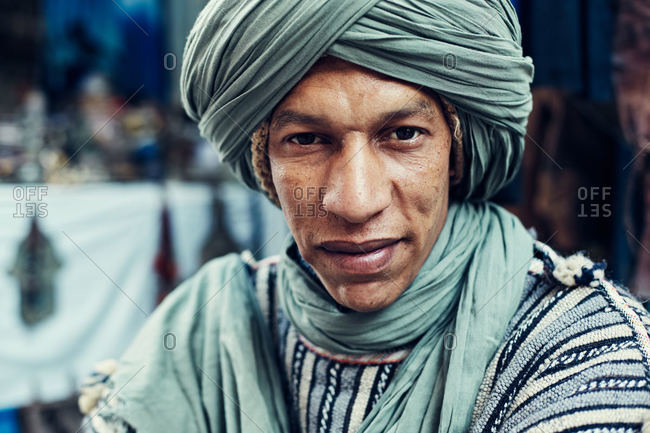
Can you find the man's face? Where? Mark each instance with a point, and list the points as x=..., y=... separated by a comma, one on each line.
x=360, y=162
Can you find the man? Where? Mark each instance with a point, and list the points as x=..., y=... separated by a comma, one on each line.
x=404, y=300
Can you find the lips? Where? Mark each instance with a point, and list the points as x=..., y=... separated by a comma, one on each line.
x=356, y=248
x=367, y=257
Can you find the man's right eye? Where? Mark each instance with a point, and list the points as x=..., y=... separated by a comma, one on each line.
x=304, y=138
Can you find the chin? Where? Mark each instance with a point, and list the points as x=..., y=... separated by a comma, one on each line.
x=366, y=297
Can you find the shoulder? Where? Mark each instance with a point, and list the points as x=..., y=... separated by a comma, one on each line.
x=204, y=298
x=190, y=318
x=583, y=280
x=576, y=353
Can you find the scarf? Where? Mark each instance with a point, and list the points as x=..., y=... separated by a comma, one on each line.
x=457, y=309
x=221, y=375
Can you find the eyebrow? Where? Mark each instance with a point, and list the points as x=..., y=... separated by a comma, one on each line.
x=420, y=107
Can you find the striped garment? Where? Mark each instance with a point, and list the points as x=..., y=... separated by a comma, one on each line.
x=328, y=392
x=576, y=358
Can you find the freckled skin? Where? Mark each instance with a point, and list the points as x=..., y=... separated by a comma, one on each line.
x=350, y=182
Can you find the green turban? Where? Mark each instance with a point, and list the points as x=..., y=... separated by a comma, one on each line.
x=243, y=57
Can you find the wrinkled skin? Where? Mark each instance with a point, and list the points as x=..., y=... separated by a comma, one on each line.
x=358, y=156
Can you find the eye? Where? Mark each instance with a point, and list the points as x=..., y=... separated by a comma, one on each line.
x=304, y=138
x=404, y=133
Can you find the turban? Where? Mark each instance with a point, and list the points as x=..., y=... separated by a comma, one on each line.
x=243, y=57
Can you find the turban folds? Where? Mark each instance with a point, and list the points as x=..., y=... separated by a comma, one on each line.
x=243, y=57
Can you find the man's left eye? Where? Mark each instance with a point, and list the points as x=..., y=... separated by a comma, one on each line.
x=404, y=133
x=304, y=138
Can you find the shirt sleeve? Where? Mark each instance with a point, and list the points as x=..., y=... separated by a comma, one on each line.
x=577, y=361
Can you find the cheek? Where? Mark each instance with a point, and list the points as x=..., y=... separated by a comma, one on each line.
x=297, y=178
x=424, y=181
x=285, y=183
x=282, y=181
x=299, y=194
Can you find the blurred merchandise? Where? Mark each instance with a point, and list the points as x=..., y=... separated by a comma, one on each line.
x=105, y=287
x=98, y=138
x=35, y=268
x=632, y=84
x=582, y=187
x=165, y=263
x=219, y=242
x=116, y=245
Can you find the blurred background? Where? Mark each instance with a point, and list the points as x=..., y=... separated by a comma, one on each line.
x=109, y=197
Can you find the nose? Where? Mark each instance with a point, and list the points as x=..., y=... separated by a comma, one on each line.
x=357, y=187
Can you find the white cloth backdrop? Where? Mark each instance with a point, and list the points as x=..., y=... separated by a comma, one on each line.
x=106, y=236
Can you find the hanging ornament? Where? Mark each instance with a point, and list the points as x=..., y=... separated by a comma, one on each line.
x=35, y=267
x=165, y=263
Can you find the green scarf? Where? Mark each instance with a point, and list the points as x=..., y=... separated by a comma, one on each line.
x=458, y=307
x=220, y=374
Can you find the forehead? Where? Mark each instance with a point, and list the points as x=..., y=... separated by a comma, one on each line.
x=333, y=82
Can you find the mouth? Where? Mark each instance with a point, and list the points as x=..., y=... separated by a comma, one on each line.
x=369, y=257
